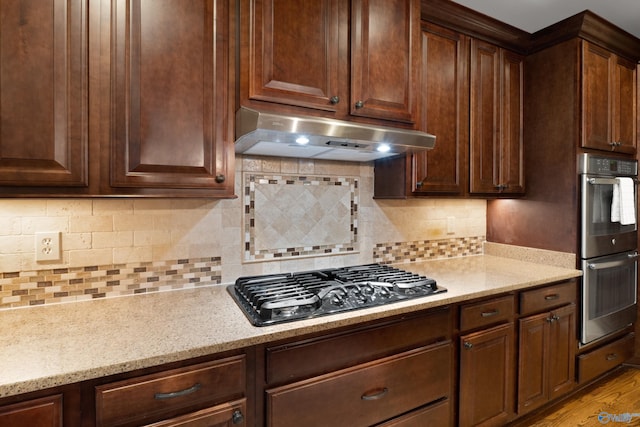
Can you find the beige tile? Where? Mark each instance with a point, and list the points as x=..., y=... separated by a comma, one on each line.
x=69, y=207
x=88, y=223
x=111, y=239
x=31, y=225
x=80, y=258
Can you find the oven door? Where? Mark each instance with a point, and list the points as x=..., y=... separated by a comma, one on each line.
x=601, y=236
x=609, y=294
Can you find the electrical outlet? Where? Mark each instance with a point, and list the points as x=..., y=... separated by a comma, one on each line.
x=48, y=246
x=451, y=225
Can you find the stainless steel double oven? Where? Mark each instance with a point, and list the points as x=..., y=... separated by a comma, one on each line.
x=608, y=245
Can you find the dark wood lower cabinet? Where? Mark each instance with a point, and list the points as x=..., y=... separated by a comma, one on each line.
x=366, y=394
x=487, y=377
x=547, y=357
x=45, y=412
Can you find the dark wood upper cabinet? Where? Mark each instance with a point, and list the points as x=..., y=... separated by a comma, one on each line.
x=43, y=93
x=333, y=58
x=293, y=55
x=472, y=100
x=115, y=97
x=445, y=113
x=609, y=109
x=169, y=70
x=496, y=137
x=385, y=59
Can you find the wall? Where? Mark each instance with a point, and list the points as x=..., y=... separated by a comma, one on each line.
x=114, y=247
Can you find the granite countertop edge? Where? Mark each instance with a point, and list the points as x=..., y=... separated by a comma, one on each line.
x=44, y=347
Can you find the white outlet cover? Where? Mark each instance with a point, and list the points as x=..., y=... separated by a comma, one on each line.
x=47, y=246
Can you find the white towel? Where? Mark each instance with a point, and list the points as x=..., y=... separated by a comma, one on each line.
x=623, y=203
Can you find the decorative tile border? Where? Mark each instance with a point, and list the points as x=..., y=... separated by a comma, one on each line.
x=252, y=253
x=30, y=288
x=387, y=253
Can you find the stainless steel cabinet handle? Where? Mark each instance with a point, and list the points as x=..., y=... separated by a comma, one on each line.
x=174, y=394
x=220, y=178
x=375, y=396
x=612, y=356
x=490, y=313
x=552, y=297
x=468, y=345
x=334, y=100
x=359, y=104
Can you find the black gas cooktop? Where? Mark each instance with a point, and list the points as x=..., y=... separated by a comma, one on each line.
x=278, y=298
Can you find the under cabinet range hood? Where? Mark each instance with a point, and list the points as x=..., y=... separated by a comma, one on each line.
x=268, y=134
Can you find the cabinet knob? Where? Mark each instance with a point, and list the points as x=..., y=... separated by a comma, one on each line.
x=467, y=344
x=220, y=178
x=359, y=104
x=334, y=100
x=237, y=417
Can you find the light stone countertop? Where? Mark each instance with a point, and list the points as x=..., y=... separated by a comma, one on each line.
x=48, y=346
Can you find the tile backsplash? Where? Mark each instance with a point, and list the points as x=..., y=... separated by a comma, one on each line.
x=288, y=215
x=106, y=243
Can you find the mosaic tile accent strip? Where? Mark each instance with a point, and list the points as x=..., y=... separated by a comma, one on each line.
x=30, y=288
x=288, y=216
x=388, y=253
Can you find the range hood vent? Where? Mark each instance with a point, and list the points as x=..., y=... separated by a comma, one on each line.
x=268, y=134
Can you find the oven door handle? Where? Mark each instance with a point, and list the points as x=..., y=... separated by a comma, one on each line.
x=602, y=181
x=600, y=265
x=605, y=181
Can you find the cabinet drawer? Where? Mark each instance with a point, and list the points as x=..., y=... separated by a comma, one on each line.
x=307, y=358
x=486, y=313
x=149, y=397
x=548, y=297
x=437, y=414
x=38, y=412
x=226, y=414
x=603, y=359
x=365, y=394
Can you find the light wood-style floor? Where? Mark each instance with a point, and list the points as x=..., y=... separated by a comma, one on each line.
x=611, y=402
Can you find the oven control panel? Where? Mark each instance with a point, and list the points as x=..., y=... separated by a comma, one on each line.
x=608, y=166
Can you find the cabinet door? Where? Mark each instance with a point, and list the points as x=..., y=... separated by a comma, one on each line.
x=39, y=412
x=170, y=104
x=487, y=376
x=445, y=112
x=385, y=59
x=624, y=114
x=511, y=127
x=547, y=357
x=596, y=97
x=532, y=367
x=485, y=117
x=290, y=49
x=43, y=93
x=562, y=350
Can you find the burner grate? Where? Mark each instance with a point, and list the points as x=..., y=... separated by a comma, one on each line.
x=285, y=297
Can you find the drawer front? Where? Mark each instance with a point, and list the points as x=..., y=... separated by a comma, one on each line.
x=38, y=412
x=304, y=359
x=548, y=297
x=437, y=414
x=487, y=313
x=226, y=414
x=366, y=394
x=603, y=359
x=148, y=397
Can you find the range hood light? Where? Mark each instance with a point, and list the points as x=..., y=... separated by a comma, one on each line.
x=302, y=140
x=383, y=148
